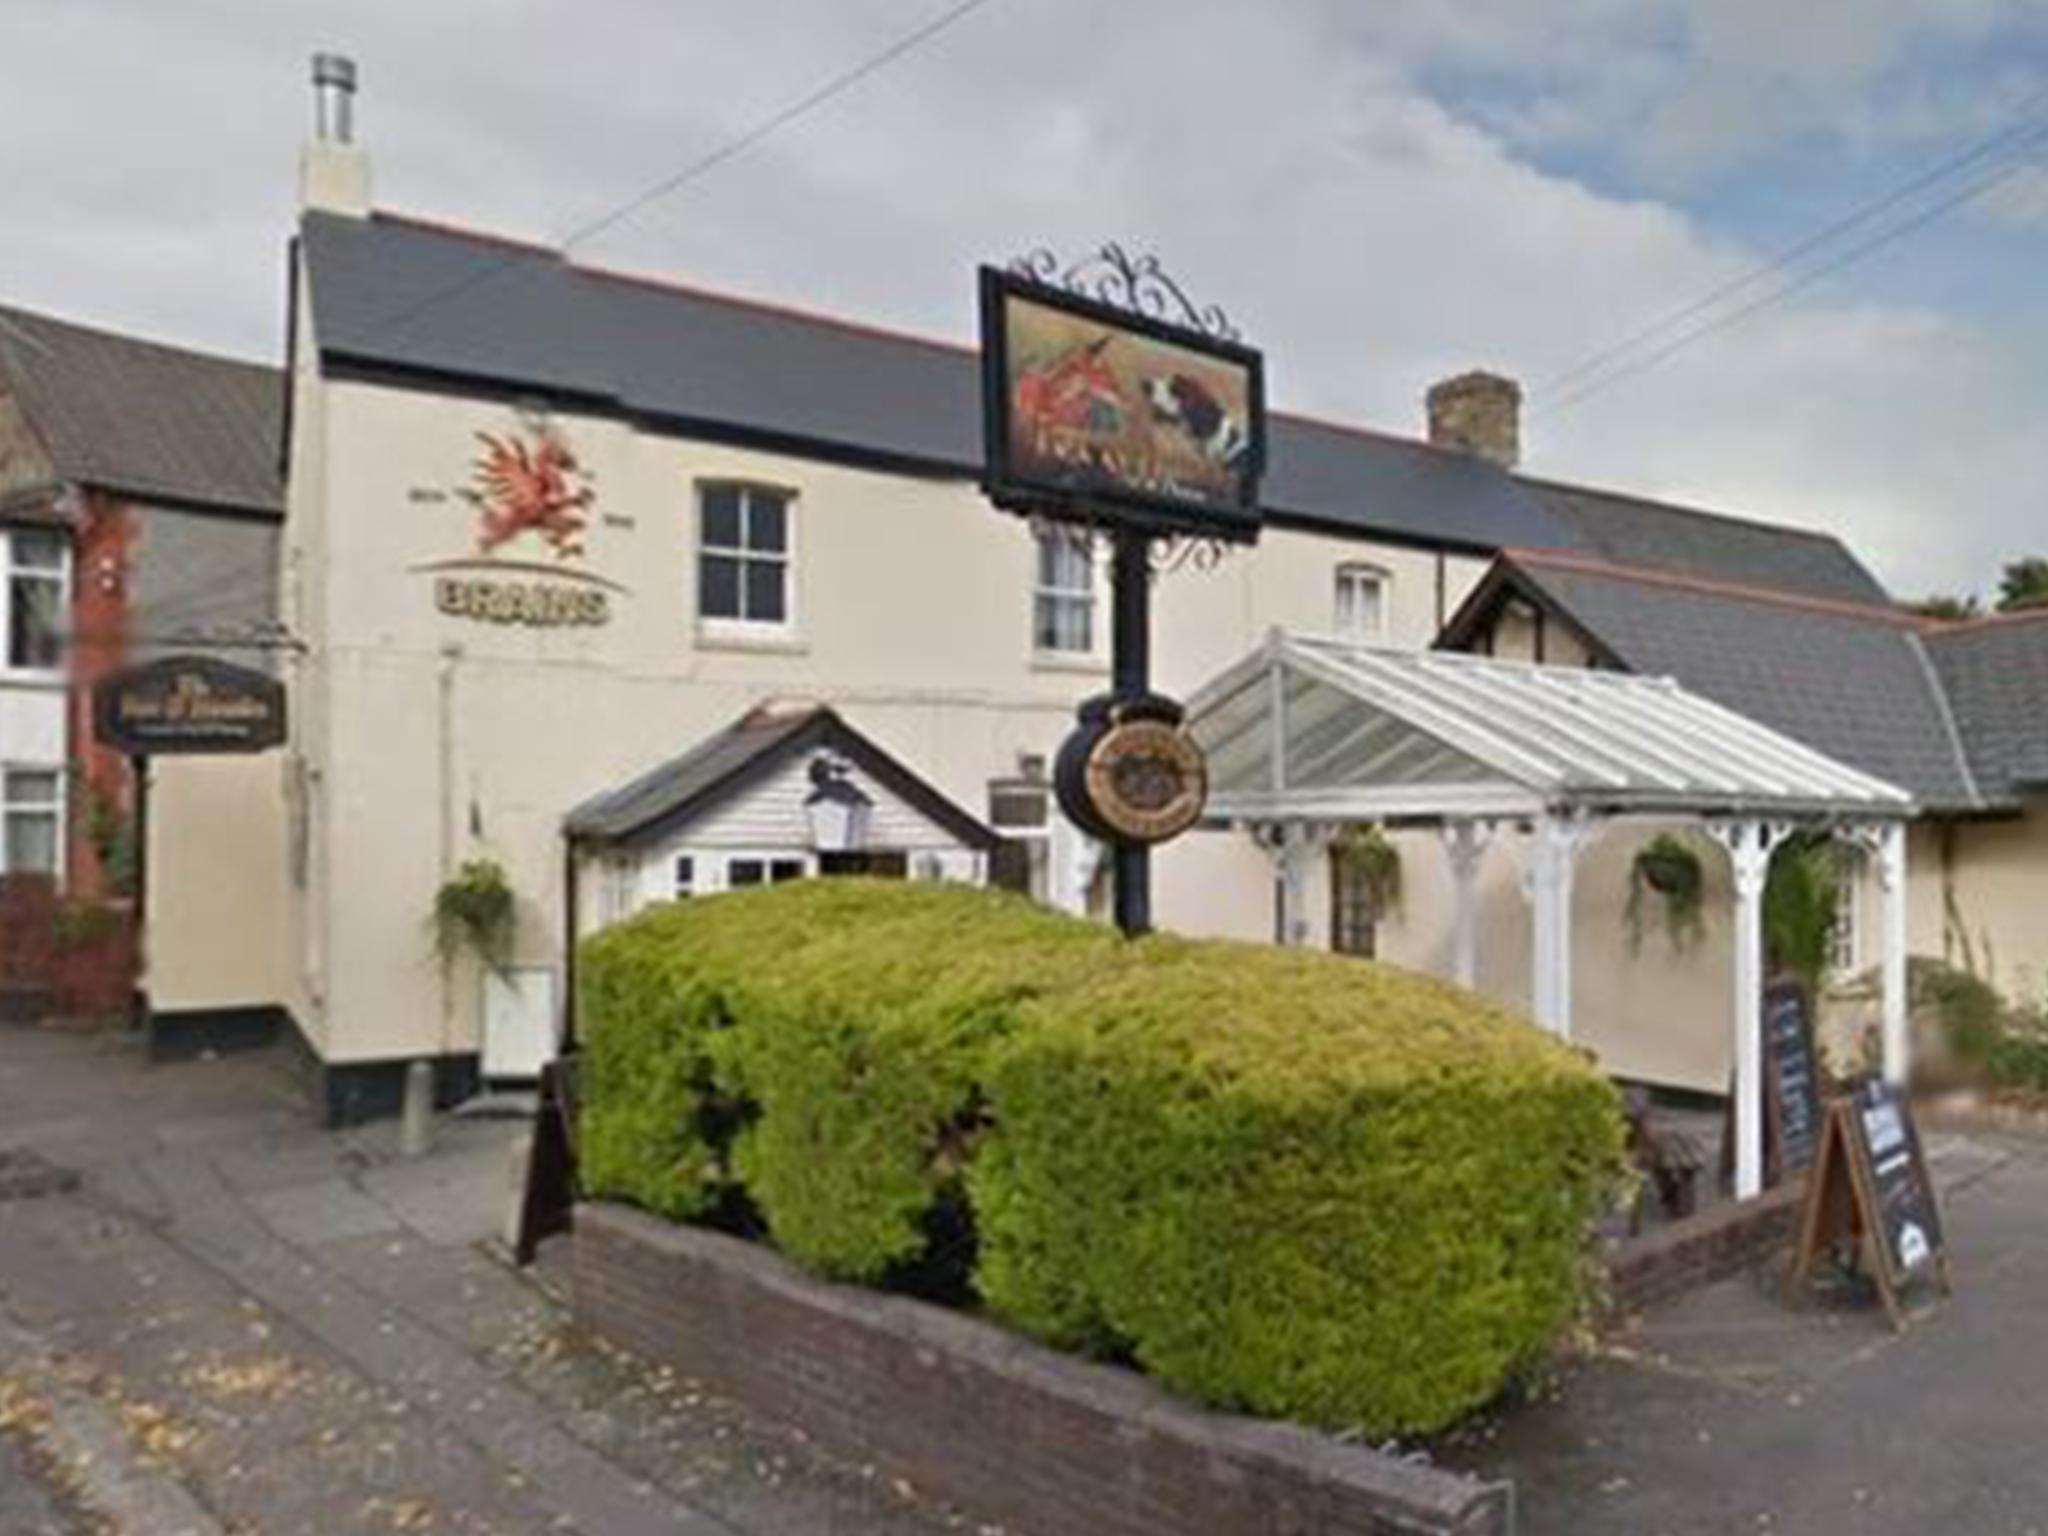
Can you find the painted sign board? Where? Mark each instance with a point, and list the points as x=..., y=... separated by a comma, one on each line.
x=1871, y=1186
x=1093, y=409
x=188, y=704
x=1792, y=1076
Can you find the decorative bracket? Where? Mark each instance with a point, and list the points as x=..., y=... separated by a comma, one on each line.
x=1138, y=283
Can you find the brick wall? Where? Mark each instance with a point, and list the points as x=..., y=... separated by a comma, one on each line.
x=1045, y=1444
x=1722, y=1240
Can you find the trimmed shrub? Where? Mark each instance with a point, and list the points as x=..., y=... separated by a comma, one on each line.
x=1282, y=1181
x=650, y=995
x=1293, y=1183
x=864, y=1066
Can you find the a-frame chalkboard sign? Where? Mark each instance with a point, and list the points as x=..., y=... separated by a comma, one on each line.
x=1793, y=1107
x=1870, y=1180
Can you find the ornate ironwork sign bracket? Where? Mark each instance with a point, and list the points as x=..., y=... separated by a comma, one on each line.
x=1140, y=284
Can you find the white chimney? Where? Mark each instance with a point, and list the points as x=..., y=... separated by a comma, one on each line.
x=334, y=171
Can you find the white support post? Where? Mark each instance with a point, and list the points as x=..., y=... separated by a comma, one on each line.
x=1465, y=846
x=1891, y=876
x=1749, y=845
x=1292, y=846
x=1553, y=860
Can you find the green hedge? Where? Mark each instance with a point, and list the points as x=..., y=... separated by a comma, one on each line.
x=1278, y=1180
x=864, y=1063
x=1293, y=1183
x=650, y=996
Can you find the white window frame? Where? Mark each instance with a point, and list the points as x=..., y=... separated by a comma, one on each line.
x=714, y=627
x=1036, y=837
x=1095, y=595
x=723, y=859
x=9, y=571
x=58, y=807
x=1357, y=573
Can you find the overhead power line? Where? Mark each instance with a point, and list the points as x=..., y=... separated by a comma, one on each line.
x=1890, y=233
x=730, y=150
x=2015, y=132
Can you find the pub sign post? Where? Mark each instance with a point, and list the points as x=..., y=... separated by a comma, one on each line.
x=1114, y=404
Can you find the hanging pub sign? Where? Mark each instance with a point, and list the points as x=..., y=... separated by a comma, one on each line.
x=1111, y=412
x=1129, y=773
x=1871, y=1186
x=188, y=704
x=1112, y=401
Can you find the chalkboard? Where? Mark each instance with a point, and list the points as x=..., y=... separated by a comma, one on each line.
x=1870, y=1186
x=1792, y=1078
x=1906, y=1221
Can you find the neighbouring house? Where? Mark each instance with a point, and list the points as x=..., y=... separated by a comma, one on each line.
x=141, y=495
x=551, y=531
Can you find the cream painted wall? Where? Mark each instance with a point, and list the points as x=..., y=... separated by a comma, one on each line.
x=1998, y=876
x=429, y=739
x=217, y=876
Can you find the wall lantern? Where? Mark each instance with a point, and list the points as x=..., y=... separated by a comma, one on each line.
x=838, y=811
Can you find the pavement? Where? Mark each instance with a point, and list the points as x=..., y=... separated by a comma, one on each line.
x=233, y=1321
x=1729, y=1411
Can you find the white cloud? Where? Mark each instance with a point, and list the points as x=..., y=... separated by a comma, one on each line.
x=1287, y=160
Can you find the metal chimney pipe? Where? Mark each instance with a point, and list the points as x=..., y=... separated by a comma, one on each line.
x=334, y=98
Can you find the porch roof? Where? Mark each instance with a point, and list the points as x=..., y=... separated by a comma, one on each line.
x=1314, y=729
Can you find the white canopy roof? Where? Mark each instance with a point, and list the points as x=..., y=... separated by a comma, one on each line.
x=1310, y=729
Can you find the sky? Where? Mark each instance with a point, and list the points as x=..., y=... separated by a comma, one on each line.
x=1381, y=194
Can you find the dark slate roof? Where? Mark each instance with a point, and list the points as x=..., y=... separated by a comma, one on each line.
x=393, y=294
x=146, y=420
x=678, y=791
x=1654, y=535
x=1851, y=680
x=1995, y=672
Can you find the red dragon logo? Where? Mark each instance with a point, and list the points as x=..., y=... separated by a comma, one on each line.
x=517, y=488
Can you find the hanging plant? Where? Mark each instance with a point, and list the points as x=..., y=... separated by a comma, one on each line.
x=1376, y=863
x=1667, y=869
x=474, y=911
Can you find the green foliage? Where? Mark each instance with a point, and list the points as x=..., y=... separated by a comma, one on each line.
x=111, y=831
x=1370, y=852
x=475, y=910
x=1944, y=606
x=1277, y=1179
x=1801, y=902
x=650, y=995
x=2023, y=585
x=1668, y=870
x=865, y=1063
x=1989, y=1041
x=1290, y=1184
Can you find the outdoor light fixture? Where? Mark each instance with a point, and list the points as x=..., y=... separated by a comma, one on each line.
x=837, y=809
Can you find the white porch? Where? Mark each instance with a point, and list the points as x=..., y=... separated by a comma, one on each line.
x=1306, y=737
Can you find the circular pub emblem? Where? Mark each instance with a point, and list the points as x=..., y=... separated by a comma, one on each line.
x=1146, y=780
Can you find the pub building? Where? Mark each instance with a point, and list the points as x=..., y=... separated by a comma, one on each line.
x=640, y=593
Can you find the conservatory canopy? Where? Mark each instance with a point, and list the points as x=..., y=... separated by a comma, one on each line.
x=1307, y=736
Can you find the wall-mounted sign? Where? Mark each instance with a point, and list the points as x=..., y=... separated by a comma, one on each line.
x=1130, y=773
x=532, y=497
x=1091, y=409
x=188, y=704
